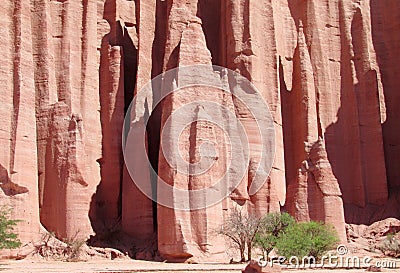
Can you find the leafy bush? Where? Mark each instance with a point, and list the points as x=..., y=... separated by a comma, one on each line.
x=280, y=231
x=390, y=246
x=8, y=239
x=307, y=239
x=241, y=229
x=272, y=226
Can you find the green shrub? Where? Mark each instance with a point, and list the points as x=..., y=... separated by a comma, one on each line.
x=74, y=247
x=8, y=239
x=390, y=246
x=307, y=239
x=272, y=226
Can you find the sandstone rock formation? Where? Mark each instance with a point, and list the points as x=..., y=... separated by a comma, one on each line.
x=70, y=69
x=254, y=267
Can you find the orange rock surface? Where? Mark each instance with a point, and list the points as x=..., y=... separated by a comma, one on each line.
x=327, y=70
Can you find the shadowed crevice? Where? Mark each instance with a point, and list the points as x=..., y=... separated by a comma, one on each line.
x=209, y=11
x=9, y=188
x=17, y=78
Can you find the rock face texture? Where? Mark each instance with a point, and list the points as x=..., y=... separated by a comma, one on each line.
x=326, y=68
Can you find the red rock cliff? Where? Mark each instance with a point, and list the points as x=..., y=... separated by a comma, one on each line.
x=327, y=70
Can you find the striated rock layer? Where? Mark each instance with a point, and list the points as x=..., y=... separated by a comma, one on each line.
x=326, y=68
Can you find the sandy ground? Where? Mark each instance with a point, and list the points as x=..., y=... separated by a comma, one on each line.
x=140, y=266
x=114, y=266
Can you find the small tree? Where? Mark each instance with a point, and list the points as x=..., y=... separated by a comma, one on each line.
x=272, y=226
x=8, y=239
x=241, y=229
x=307, y=239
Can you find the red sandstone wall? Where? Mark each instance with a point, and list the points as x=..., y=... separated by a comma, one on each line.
x=327, y=70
